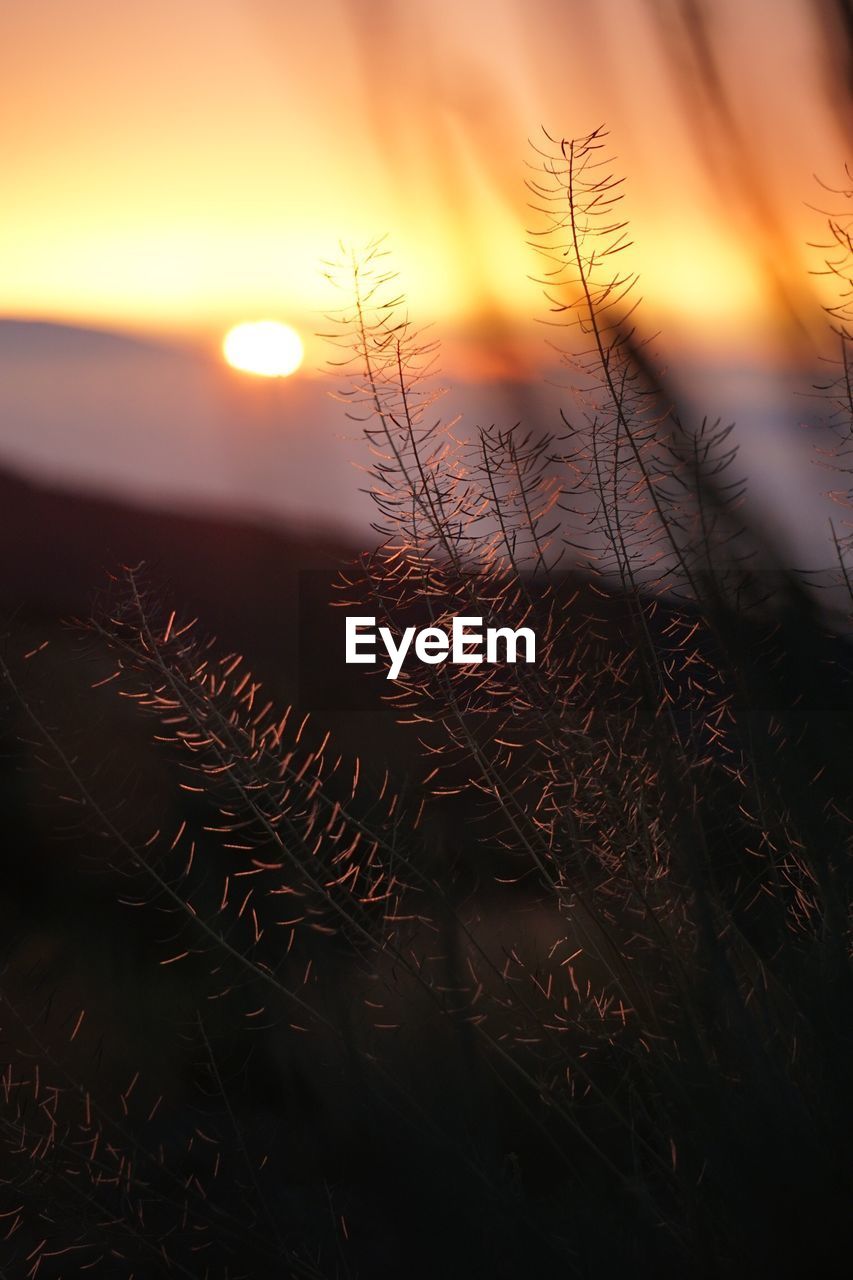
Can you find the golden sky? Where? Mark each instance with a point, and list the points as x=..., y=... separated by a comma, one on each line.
x=181, y=165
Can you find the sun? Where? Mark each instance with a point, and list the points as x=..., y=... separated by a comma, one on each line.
x=264, y=347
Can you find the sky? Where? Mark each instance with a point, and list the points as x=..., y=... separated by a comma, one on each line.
x=182, y=166
x=174, y=168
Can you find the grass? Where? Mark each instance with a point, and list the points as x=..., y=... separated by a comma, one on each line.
x=582, y=1006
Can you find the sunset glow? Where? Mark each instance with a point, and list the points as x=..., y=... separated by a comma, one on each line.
x=226, y=194
x=264, y=347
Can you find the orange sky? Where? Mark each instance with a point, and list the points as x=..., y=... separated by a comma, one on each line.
x=185, y=164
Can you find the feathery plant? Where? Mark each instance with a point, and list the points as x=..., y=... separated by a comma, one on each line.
x=838, y=391
x=668, y=1065
x=626, y=773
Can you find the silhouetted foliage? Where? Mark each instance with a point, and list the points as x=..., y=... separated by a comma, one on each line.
x=608, y=1032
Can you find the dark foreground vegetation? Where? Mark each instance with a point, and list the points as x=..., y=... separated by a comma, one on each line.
x=566, y=991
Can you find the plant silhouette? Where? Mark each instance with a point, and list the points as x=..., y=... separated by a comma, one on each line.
x=595, y=1021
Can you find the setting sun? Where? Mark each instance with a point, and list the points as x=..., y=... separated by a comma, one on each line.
x=264, y=347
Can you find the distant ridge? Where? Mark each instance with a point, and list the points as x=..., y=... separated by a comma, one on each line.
x=59, y=548
x=20, y=337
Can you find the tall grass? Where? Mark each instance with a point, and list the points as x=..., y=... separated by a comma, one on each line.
x=605, y=1029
